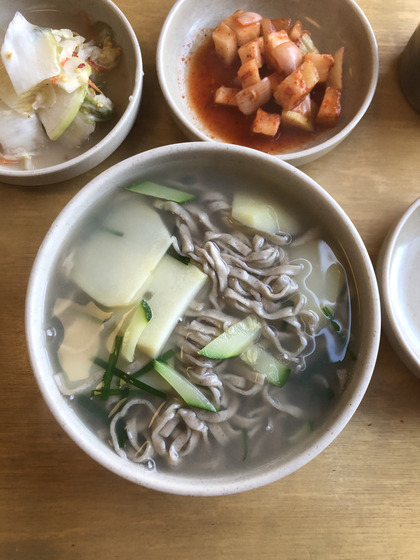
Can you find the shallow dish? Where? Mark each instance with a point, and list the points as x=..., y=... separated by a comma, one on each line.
x=237, y=165
x=332, y=26
x=397, y=270
x=124, y=85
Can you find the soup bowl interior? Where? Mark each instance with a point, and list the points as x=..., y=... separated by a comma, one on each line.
x=123, y=85
x=236, y=165
x=332, y=25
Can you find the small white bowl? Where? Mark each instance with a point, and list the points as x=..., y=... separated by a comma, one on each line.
x=398, y=278
x=124, y=86
x=332, y=24
x=235, y=163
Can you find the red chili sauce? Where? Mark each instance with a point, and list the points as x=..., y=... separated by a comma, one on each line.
x=205, y=74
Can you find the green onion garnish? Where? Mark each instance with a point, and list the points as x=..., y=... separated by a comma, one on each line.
x=245, y=439
x=110, y=365
x=147, y=311
x=128, y=379
x=121, y=432
x=92, y=407
x=123, y=393
x=181, y=258
x=150, y=365
x=100, y=225
x=327, y=312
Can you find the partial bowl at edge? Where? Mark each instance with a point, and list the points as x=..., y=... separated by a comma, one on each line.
x=397, y=271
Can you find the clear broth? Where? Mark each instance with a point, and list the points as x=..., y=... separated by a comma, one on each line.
x=316, y=389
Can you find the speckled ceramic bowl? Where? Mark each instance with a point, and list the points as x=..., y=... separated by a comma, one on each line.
x=332, y=25
x=123, y=85
x=237, y=165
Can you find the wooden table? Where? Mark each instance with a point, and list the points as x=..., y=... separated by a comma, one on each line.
x=360, y=499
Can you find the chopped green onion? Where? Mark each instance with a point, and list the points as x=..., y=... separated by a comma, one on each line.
x=112, y=392
x=101, y=226
x=110, y=366
x=92, y=407
x=113, y=231
x=181, y=258
x=327, y=312
x=121, y=432
x=283, y=327
x=129, y=379
x=150, y=365
x=245, y=440
x=147, y=310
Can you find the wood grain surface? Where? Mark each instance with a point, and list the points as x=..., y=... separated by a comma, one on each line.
x=360, y=499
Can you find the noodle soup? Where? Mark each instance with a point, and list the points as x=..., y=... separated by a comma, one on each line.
x=235, y=253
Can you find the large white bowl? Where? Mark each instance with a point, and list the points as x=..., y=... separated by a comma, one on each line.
x=285, y=180
x=125, y=86
x=332, y=24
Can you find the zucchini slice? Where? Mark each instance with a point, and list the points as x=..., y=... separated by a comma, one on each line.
x=160, y=191
x=234, y=340
x=262, y=214
x=185, y=389
x=263, y=362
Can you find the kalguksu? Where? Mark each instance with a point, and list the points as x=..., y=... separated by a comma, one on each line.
x=213, y=360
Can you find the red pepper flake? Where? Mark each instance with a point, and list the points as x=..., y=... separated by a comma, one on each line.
x=82, y=65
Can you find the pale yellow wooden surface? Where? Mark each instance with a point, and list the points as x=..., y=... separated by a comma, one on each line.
x=360, y=499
